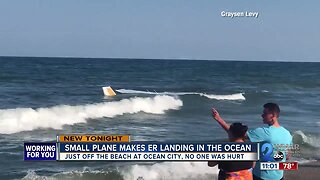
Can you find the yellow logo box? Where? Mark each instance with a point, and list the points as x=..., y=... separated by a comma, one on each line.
x=92, y=138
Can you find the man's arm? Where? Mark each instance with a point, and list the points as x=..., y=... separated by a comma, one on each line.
x=218, y=118
x=253, y=164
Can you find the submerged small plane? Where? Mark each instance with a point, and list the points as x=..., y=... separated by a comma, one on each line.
x=108, y=91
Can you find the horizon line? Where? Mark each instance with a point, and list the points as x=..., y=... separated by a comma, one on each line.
x=180, y=59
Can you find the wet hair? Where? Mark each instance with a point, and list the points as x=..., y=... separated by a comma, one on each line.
x=273, y=108
x=238, y=130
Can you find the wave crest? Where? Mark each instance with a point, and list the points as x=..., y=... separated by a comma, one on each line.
x=26, y=119
x=301, y=138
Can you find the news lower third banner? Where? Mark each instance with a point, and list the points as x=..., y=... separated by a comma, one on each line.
x=119, y=148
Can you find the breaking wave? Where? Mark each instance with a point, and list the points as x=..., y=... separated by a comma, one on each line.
x=26, y=119
x=305, y=139
x=157, y=171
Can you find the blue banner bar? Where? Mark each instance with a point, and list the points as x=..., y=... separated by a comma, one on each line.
x=44, y=151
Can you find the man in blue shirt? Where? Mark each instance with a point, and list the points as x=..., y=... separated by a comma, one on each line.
x=273, y=134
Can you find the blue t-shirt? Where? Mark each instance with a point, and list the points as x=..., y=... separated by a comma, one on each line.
x=272, y=135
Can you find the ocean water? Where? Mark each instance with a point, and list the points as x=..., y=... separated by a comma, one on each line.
x=160, y=100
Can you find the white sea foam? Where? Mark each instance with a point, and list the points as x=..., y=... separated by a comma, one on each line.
x=171, y=170
x=237, y=96
x=158, y=171
x=306, y=139
x=26, y=119
x=31, y=175
x=306, y=161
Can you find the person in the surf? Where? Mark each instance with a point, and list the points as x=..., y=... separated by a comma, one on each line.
x=232, y=170
x=273, y=134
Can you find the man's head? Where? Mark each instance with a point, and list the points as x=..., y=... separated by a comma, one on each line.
x=271, y=113
x=237, y=131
